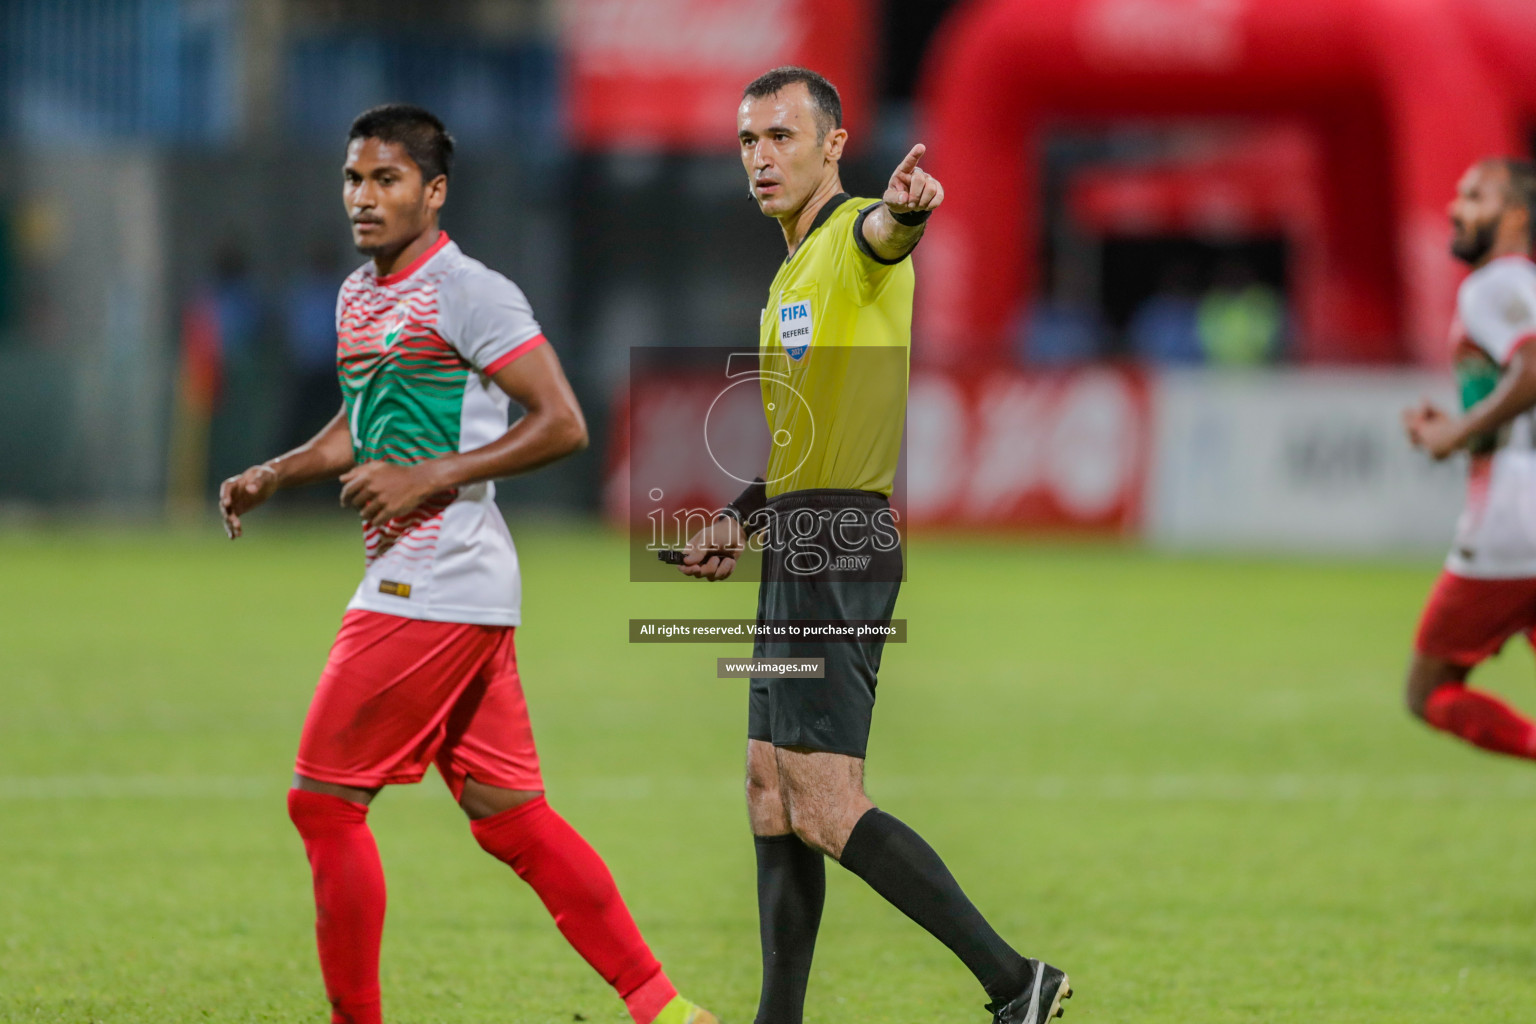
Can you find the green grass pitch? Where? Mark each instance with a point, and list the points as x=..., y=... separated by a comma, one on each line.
x=1188, y=781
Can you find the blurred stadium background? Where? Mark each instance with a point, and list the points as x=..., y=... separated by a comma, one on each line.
x=1192, y=263
x=1194, y=255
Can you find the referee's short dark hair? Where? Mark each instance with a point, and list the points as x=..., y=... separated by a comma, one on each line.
x=824, y=97
x=415, y=128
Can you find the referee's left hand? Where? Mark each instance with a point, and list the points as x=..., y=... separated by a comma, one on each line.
x=712, y=552
x=912, y=189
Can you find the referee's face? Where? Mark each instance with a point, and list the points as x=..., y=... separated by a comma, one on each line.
x=784, y=159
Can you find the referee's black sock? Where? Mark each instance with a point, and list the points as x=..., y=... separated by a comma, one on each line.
x=900, y=866
x=791, y=886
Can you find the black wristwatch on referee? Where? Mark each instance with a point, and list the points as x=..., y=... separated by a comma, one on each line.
x=748, y=503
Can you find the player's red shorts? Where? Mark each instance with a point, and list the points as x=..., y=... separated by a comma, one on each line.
x=398, y=694
x=1468, y=620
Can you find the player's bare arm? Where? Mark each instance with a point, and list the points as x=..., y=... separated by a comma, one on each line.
x=912, y=194
x=1441, y=434
x=325, y=456
x=551, y=428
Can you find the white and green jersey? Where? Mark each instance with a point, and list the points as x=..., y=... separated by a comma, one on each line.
x=1495, y=315
x=415, y=353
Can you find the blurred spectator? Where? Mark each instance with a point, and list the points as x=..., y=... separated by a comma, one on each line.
x=309, y=336
x=1241, y=319
x=1065, y=324
x=245, y=413
x=7, y=276
x=236, y=304
x=1165, y=328
x=1056, y=332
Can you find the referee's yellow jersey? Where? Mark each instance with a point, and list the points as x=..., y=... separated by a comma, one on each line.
x=834, y=352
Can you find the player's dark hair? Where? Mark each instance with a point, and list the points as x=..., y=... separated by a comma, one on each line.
x=824, y=97
x=416, y=128
x=1522, y=186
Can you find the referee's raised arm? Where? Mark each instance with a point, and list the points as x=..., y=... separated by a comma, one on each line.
x=894, y=228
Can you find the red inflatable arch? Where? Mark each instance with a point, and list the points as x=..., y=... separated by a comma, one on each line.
x=1399, y=95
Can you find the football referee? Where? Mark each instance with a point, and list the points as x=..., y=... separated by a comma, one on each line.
x=834, y=343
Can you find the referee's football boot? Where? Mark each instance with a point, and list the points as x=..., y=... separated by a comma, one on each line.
x=1040, y=1001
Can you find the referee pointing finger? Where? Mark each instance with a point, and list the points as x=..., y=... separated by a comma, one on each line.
x=839, y=321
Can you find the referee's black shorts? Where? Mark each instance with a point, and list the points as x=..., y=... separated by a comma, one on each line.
x=831, y=557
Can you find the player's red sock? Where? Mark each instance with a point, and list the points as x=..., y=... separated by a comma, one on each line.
x=1481, y=719
x=579, y=891
x=349, y=900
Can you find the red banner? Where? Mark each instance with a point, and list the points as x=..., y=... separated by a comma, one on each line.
x=668, y=74
x=1065, y=450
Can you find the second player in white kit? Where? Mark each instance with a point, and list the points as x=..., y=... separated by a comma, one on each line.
x=1487, y=591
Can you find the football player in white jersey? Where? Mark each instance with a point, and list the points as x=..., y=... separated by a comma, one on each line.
x=1487, y=591
x=432, y=345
